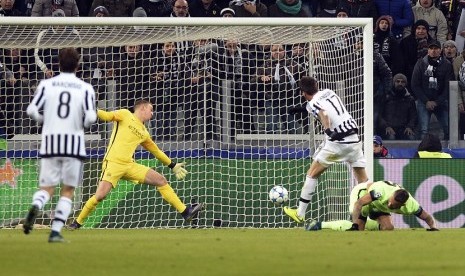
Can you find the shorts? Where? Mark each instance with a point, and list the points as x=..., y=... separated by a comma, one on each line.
x=375, y=215
x=330, y=152
x=60, y=170
x=113, y=172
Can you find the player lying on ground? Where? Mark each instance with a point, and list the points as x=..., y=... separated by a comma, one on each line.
x=65, y=105
x=128, y=133
x=341, y=144
x=371, y=205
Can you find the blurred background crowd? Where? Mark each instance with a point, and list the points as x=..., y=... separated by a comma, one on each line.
x=418, y=50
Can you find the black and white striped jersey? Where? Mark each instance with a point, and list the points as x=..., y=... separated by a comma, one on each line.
x=65, y=105
x=340, y=119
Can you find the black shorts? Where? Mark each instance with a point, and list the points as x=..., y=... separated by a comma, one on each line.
x=376, y=215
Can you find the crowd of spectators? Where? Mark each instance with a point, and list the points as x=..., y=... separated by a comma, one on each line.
x=414, y=41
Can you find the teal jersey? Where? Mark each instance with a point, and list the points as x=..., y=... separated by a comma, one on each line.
x=381, y=191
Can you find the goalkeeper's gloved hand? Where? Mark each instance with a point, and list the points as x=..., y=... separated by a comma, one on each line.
x=334, y=136
x=353, y=228
x=178, y=170
x=432, y=229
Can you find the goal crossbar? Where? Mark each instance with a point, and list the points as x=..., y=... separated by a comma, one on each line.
x=151, y=30
x=234, y=186
x=178, y=21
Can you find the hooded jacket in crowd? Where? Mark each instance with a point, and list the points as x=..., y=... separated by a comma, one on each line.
x=437, y=21
x=398, y=109
x=401, y=13
x=386, y=44
x=414, y=48
x=283, y=8
x=117, y=8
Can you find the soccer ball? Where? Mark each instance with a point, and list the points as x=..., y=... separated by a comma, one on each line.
x=279, y=195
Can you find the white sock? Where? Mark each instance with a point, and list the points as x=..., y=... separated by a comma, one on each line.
x=306, y=195
x=40, y=198
x=62, y=211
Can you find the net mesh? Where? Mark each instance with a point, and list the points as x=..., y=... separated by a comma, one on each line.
x=221, y=96
x=102, y=36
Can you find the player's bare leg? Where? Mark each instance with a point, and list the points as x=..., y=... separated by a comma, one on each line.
x=360, y=174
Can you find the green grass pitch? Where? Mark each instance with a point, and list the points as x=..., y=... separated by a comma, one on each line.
x=234, y=252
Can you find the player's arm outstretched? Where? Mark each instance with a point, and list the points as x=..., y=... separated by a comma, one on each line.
x=178, y=168
x=109, y=116
x=412, y=207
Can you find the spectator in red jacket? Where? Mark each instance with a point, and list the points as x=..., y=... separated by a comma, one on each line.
x=380, y=151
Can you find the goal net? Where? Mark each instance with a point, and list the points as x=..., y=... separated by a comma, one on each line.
x=221, y=90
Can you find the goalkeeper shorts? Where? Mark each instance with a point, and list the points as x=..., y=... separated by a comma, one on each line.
x=113, y=172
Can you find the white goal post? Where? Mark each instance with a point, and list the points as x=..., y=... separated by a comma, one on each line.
x=221, y=105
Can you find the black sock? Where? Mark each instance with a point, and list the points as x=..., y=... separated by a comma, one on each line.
x=185, y=212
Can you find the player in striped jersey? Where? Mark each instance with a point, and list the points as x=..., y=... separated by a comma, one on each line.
x=128, y=133
x=65, y=105
x=341, y=144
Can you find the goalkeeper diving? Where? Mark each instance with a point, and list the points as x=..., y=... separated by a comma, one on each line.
x=371, y=205
x=128, y=133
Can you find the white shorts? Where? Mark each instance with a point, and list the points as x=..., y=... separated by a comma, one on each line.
x=60, y=170
x=329, y=153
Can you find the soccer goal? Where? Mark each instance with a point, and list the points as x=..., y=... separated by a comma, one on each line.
x=221, y=89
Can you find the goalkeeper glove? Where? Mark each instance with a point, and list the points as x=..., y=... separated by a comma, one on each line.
x=353, y=228
x=432, y=229
x=178, y=170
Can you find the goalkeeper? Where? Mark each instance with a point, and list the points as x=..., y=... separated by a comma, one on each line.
x=371, y=205
x=128, y=133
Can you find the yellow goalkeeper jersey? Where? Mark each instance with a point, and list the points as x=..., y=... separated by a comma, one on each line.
x=128, y=133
